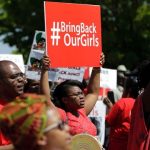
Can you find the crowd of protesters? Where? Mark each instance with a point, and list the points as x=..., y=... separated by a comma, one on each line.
x=47, y=121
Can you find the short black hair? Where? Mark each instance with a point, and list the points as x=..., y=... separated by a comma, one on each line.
x=142, y=72
x=61, y=91
x=131, y=85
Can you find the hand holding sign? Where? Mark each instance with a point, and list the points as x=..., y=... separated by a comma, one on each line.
x=45, y=62
x=102, y=59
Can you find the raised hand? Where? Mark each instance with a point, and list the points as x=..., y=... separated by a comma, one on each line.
x=45, y=62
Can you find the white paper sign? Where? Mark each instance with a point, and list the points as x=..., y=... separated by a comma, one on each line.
x=17, y=59
x=108, y=78
x=99, y=109
x=33, y=70
x=98, y=113
x=39, y=41
x=33, y=67
x=61, y=74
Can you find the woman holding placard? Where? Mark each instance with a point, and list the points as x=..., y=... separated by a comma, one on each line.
x=74, y=105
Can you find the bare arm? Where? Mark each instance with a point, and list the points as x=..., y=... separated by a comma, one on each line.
x=44, y=84
x=93, y=87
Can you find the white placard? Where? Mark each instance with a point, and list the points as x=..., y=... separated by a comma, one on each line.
x=33, y=70
x=33, y=67
x=17, y=59
x=39, y=41
x=108, y=78
x=61, y=74
x=98, y=113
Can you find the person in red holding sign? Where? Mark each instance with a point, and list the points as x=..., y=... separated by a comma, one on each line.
x=74, y=104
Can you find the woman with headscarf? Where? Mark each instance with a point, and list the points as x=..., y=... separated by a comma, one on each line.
x=31, y=124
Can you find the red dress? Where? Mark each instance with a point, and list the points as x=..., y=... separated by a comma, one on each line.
x=81, y=124
x=3, y=139
x=119, y=120
x=139, y=137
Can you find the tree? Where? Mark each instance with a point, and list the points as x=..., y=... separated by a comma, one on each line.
x=18, y=22
x=125, y=27
x=126, y=35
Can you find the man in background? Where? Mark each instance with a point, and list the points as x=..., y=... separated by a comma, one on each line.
x=12, y=82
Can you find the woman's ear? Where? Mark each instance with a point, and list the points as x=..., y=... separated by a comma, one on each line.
x=42, y=140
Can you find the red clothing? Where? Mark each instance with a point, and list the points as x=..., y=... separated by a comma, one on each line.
x=139, y=137
x=81, y=124
x=3, y=139
x=119, y=120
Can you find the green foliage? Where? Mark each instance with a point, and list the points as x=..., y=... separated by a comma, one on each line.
x=125, y=27
x=18, y=22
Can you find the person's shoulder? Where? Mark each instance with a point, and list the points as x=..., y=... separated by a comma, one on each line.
x=82, y=111
x=125, y=100
x=121, y=102
x=60, y=110
x=62, y=114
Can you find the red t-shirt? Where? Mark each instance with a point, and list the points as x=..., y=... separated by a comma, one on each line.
x=3, y=139
x=119, y=120
x=81, y=124
x=139, y=137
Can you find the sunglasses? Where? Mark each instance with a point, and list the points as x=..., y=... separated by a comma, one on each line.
x=60, y=125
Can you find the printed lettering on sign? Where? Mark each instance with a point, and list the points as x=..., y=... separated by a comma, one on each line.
x=73, y=37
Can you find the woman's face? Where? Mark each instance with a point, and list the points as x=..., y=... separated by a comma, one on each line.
x=75, y=98
x=57, y=133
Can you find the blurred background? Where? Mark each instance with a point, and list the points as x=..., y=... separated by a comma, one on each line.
x=125, y=28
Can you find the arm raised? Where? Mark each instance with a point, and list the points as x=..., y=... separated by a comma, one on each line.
x=44, y=83
x=93, y=87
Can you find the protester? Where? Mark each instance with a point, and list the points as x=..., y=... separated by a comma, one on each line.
x=121, y=70
x=75, y=106
x=31, y=124
x=12, y=82
x=139, y=135
x=119, y=116
x=115, y=94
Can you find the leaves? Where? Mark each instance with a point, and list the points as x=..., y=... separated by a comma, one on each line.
x=125, y=27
